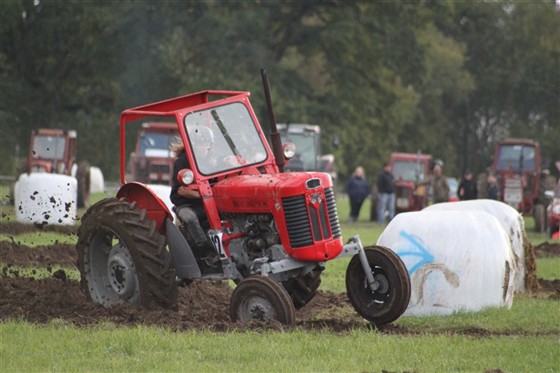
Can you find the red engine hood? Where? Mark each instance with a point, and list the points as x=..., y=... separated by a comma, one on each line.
x=262, y=193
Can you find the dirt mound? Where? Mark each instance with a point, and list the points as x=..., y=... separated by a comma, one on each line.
x=59, y=254
x=18, y=228
x=547, y=249
x=203, y=305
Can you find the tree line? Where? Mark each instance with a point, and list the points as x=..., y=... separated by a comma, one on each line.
x=445, y=78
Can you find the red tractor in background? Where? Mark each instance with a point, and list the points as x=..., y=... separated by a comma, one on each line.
x=273, y=232
x=55, y=151
x=152, y=160
x=408, y=169
x=52, y=151
x=516, y=166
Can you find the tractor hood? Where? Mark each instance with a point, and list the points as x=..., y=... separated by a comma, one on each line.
x=263, y=193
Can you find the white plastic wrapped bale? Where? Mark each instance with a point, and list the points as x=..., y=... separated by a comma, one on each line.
x=41, y=198
x=512, y=222
x=457, y=261
x=96, y=180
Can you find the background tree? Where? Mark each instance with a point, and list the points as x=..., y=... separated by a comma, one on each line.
x=447, y=78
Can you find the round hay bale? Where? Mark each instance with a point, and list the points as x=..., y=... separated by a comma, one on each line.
x=456, y=260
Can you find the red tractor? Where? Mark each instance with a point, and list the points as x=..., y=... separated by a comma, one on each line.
x=517, y=168
x=274, y=232
x=54, y=151
x=152, y=160
x=408, y=169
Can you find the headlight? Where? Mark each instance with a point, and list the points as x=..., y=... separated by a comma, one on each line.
x=556, y=208
x=289, y=150
x=185, y=176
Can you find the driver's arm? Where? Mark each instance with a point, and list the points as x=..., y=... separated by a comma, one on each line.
x=186, y=192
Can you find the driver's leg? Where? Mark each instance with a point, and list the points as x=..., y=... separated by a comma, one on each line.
x=189, y=218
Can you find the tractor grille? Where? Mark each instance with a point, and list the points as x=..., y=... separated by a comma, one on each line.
x=403, y=192
x=333, y=214
x=163, y=168
x=305, y=223
x=297, y=221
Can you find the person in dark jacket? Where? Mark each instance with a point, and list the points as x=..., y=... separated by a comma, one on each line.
x=358, y=189
x=467, y=188
x=493, y=190
x=386, y=194
x=188, y=205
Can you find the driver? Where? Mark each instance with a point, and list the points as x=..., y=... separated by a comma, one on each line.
x=188, y=202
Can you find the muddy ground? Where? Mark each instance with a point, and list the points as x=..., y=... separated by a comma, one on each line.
x=202, y=305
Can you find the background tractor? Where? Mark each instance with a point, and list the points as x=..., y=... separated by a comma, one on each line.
x=54, y=151
x=152, y=160
x=408, y=169
x=273, y=232
x=309, y=156
x=521, y=181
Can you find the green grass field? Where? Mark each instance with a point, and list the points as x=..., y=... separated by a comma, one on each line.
x=525, y=338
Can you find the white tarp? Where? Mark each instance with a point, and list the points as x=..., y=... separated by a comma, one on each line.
x=510, y=219
x=457, y=261
x=43, y=198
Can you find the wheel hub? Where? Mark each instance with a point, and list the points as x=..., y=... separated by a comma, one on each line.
x=121, y=272
x=259, y=309
x=382, y=282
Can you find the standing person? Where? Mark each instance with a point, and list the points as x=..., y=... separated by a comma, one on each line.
x=439, y=184
x=386, y=194
x=493, y=191
x=467, y=188
x=357, y=189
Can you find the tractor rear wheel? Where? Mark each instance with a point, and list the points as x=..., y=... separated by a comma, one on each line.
x=261, y=298
x=390, y=300
x=123, y=259
x=303, y=289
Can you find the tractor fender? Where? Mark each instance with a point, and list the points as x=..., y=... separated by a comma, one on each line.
x=146, y=199
x=182, y=256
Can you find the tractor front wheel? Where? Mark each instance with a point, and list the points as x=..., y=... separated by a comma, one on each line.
x=261, y=298
x=123, y=259
x=389, y=301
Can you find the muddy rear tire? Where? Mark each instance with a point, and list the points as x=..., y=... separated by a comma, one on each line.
x=390, y=300
x=123, y=259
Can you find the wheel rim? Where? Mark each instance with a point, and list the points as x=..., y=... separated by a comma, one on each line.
x=381, y=294
x=121, y=272
x=262, y=299
x=116, y=280
x=256, y=308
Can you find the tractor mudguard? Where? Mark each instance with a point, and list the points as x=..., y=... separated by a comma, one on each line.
x=146, y=199
x=182, y=256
